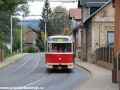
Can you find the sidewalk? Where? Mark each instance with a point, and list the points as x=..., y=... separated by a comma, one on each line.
x=11, y=60
x=101, y=78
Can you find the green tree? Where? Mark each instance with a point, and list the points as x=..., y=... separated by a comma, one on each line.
x=1, y=2
x=46, y=17
x=59, y=22
x=40, y=40
x=17, y=36
x=8, y=8
x=68, y=31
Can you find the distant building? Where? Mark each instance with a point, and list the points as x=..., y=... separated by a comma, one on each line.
x=75, y=16
x=31, y=37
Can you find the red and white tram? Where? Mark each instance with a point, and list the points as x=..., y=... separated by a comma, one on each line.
x=59, y=52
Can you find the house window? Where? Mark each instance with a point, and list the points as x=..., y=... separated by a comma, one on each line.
x=110, y=37
x=104, y=13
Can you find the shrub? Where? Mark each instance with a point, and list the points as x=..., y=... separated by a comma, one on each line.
x=33, y=49
x=25, y=49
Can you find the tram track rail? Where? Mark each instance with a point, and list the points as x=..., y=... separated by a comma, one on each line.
x=22, y=76
x=17, y=68
x=51, y=86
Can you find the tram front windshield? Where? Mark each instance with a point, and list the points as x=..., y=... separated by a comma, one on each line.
x=59, y=47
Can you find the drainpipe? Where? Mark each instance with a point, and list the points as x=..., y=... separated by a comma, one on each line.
x=99, y=33
x=86, y=44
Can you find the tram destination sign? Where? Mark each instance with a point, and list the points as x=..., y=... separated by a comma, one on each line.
x=60, y=39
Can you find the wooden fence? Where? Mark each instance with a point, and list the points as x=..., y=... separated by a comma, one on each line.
x=104, y=56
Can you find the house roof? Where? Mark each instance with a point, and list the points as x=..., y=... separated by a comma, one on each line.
x=95, y=4
x=76, y=27
x=75, y=13
x=28, y=30
x=85, y=2
x=96, y=11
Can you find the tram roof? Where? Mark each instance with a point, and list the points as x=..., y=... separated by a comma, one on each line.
x=61, y=37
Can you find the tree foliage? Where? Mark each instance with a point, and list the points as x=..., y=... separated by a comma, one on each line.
x=17, y=38
x=58, y=23
x=40, y=40
x=8, y=8
x=68, y=31
x=46, y=17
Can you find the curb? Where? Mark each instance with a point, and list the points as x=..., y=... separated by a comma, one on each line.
x=78, y=88
x=84, y=68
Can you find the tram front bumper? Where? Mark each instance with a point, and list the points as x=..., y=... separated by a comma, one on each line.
x=60, y=66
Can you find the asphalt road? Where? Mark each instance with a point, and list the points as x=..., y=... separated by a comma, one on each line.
x=30, y=72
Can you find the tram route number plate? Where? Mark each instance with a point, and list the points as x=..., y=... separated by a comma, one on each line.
x=60, y=40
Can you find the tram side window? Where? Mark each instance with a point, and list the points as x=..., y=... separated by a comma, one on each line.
x=49, y=49
x=60, y=47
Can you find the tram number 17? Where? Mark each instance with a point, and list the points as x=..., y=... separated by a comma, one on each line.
x=60, y=40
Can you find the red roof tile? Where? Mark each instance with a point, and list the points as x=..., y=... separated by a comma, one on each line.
x=75, y=13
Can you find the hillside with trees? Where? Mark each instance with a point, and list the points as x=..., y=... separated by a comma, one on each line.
x=30, y=23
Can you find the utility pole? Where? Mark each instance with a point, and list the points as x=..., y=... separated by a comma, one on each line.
x=45, y=35
x=21, y=37
x=45, y=30
x=11, y=35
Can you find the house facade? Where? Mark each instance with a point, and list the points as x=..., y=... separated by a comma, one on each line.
x=98, y=30
x=75, y=16
x=31, y=37
x=89, y=10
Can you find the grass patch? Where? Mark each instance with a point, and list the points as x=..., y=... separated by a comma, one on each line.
x=11, y=54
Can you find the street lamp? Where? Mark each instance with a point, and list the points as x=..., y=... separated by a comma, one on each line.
x=45, y=28
x=45, y=35
x=11, y=35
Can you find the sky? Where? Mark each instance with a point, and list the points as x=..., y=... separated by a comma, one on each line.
x=36, y=7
